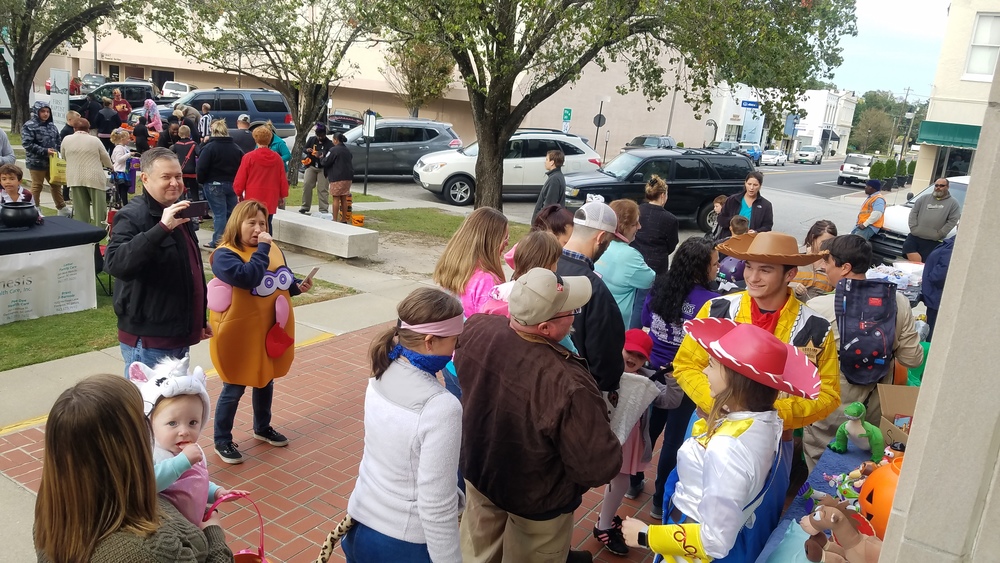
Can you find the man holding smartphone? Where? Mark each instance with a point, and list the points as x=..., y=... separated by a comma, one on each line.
x=160, y=294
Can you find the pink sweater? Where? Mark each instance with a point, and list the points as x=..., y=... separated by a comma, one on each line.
x=477, y=291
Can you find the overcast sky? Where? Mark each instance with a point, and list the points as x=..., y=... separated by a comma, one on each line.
x=898, y=44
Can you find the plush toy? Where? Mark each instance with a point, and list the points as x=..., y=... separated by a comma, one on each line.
x=892, y=451
x=815, y=548
x=811, y=495
x=850, y=545
x=861, y=433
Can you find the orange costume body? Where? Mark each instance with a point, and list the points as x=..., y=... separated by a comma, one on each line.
x=253, y=330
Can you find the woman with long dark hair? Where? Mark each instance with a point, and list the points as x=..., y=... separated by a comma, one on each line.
x=750, y=204
x=676, y=296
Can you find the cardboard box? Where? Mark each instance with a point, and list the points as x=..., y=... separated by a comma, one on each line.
x=898, y=403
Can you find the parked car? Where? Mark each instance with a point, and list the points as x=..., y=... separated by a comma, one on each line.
x=171, y=88
x=773, y=158
x=343, y=120
x=91, y=82
x=887, y=245
x=451, y=174
x=725, y=145
x=695, y=176
x=398, y=144
x=809, y=153
x=651, y=141
x=855, y=169
x=753, y=151
x=228, y=103
x=135, y=91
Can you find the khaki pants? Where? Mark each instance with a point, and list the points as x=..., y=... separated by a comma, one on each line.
x=38, y=178
x=489, y=534
x=315, y=178
x=818, y=435
x=87, y=202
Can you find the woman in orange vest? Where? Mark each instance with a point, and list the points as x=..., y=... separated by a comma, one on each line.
x=872, y=214
x=250, y=312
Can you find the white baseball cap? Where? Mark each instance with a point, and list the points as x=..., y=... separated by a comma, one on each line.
x=541, y=294
x=244, y=118
x=596, y=215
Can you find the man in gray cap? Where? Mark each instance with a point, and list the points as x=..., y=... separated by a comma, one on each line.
x=241, y=135
x=535, y=429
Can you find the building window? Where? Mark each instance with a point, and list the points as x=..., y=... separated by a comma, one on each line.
x=985, y=45
x=733, y=132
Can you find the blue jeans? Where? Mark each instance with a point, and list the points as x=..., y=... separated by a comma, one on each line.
x=221, y=200
x=229, y=401
x=362, y=544
x=148, y=356
x=866, y=233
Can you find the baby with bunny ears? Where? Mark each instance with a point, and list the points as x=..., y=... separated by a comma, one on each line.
x=177, y=405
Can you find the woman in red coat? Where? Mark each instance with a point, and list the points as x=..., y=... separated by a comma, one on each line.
x=261, y=175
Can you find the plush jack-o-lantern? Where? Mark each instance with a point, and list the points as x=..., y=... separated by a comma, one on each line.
x=878, y=493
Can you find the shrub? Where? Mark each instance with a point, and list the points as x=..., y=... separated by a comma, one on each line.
x=680, y=145
x=901, y=168
x=911, y=167
x=890, y=168
x=877, y=171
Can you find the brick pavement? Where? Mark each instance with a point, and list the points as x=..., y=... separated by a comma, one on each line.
x=302, y=489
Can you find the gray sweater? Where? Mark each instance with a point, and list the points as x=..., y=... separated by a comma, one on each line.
x=6, y=151
x=932, y=218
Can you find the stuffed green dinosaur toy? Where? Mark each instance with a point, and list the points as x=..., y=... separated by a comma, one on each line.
x=863, y=434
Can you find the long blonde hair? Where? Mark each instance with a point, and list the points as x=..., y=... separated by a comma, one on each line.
x=476, y=244
x=97, y=470
x=244, y=210
x=424, y=305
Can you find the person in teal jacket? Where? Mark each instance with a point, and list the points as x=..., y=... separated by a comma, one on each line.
x=622, y=267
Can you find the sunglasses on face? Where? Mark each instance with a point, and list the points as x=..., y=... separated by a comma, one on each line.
x=573, y=313
x=940, y=185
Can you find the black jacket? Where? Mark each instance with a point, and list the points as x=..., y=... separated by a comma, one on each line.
x=107, y=121
x=153, y=291
x=66, y=131
x=658, y=236
x=599, y=329
x=321, y=148
x=243, y=139
x=187, y=154
x=553, y=192
x=761, y=214
x=219, y=160
x=338, y=164
x=93, y=110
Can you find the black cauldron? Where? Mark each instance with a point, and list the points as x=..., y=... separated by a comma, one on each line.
x=18, y=214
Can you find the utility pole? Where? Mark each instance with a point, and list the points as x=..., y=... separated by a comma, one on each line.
x=892, y=137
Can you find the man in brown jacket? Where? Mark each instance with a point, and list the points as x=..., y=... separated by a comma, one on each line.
x=536, y=434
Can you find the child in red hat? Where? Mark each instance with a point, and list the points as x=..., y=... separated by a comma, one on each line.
x=724, y=468
x=637, y=450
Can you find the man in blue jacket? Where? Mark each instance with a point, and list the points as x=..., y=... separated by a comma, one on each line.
x=932, y=284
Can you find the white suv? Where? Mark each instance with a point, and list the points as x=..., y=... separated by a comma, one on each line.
x=451, y=174
x=855, y=168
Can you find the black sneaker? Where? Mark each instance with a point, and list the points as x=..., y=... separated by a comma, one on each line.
x=635, y=490
x=229, y=453
x=612, y=539
x=271, y=436
x=656, y=511
x=304, y=211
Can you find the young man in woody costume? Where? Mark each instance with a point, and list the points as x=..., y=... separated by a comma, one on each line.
x=772, y=261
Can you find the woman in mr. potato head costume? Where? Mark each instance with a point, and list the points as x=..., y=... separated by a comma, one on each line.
x=250, y=312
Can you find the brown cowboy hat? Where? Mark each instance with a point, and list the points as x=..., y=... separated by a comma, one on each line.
x=768, y=247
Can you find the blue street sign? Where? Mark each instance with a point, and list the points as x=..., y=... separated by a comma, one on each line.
x=749, y=104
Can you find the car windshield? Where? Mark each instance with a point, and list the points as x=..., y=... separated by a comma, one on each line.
x=746, y=145
x=772, y=153
x=347, y=113
x=807, y=149
x=94, y=78
x=471, y=149
x=956, y=189
x=622, y=165
x=858, y=160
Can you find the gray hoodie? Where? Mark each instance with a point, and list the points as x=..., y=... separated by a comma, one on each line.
x=932, y=218
x=6, y=151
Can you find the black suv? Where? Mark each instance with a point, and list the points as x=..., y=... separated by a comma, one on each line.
x=229, y=103
x=694, y=178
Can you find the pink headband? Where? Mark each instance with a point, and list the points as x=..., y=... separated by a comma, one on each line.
x=447, y=327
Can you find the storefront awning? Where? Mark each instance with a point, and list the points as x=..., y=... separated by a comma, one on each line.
x=834, y=136
x=949, y=134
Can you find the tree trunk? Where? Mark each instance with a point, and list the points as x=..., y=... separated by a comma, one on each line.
x=20, y=109
x=415, y=112
x=307, y=108
x=489, y=170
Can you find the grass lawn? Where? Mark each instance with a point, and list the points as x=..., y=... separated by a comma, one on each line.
x=50, y=338
x=294, y=199
x=431, y=222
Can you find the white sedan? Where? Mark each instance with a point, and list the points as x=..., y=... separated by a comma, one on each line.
x=773, y=158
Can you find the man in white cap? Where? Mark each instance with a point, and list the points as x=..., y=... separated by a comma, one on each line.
x=535, y=433
x=241, y=135
x=598, y=331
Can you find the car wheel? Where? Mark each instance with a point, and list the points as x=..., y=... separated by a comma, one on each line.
x=707, y=218
x=840, y=180
x=460, y=190
x=783, y=163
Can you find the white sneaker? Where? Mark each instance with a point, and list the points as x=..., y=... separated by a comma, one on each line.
x=66, y=212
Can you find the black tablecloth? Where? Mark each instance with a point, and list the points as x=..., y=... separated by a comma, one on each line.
x=54, y=232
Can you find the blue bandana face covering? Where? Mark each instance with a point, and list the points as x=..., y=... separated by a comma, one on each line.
x=425, y=362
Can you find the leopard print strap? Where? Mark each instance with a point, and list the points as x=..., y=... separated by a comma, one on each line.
x=333, y=537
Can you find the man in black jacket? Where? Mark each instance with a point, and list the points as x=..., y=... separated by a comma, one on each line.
x=554, y=189
x=160, y=295
x=599, y=331
x=315, y=177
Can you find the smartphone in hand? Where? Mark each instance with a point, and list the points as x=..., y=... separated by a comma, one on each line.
x=197, y=209
x=311, y=274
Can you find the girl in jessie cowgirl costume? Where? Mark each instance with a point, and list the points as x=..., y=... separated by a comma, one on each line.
x=724, y=468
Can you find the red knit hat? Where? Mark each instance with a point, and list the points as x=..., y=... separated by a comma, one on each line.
x=636, y=340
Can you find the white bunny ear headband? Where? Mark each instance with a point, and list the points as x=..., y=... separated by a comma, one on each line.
x=169, y=378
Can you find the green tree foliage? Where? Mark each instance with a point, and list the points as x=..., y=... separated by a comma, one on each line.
x=890, y=168
x=901, y=168
x=873, y=130
x=877, y=171
x=514, y=54
x=911, y=167
x=418, y=72
x=34, y=29
x=296, y=47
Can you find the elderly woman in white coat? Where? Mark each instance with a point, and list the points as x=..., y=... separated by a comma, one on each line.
x=86, y=159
